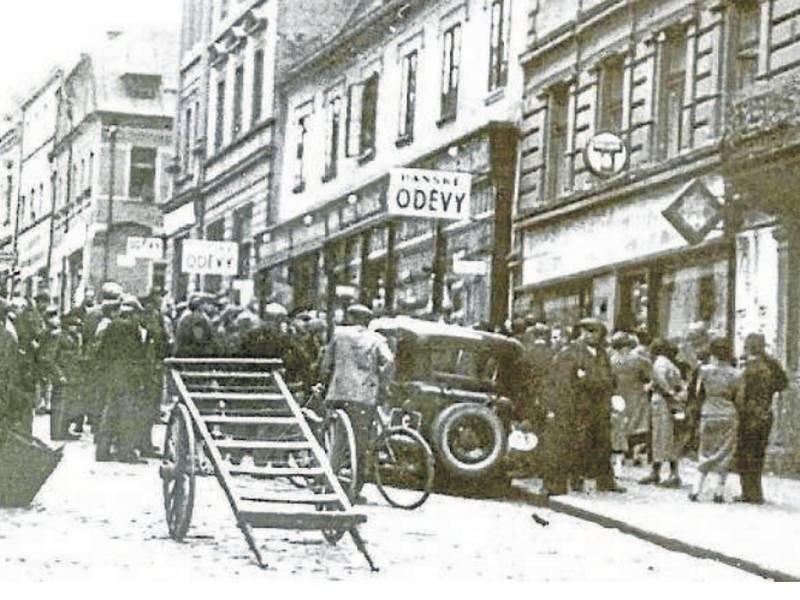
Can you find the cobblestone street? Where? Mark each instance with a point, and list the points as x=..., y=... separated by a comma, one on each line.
x=107, y=519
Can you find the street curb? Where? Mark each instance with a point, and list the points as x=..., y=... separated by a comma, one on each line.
x=668, y=543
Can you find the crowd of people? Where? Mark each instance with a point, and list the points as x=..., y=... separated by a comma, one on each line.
x=598, y=401
x=595, y=401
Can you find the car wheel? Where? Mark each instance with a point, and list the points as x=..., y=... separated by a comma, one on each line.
x=469, y=439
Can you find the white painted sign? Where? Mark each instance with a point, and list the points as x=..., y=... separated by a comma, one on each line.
x=205, y=257
x=179, y=218
x=429, y=194
x=469, y=267
x=126, y=260
x=605, y=155
x=145, y=247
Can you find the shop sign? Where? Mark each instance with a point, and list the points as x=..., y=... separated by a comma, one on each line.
x=179, y=218
x=605, y=155
x=205, y=257
x=429, y=194
x=694, y=213
x=145, y=247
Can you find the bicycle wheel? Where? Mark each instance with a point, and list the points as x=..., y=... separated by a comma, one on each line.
x=340, y=445
x=404, y=467
x=339, y=441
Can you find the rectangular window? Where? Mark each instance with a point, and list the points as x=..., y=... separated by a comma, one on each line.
x=451, y=61
x=33, y=205
x=143, y=174
x=219, y=131
x=611, y=96
x=408, y=97
x=498, y=49
x=258, y=85
x=223, y=9
x=332, y=133
x=746, y=34
x=238, y=91
x=187, y=138
x=90, y=173
x=558, y=115
x=9, y=192
x=300, y=154
x=369, y=109
x=670, y=101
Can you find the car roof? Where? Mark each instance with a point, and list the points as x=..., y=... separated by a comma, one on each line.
x=431, y=331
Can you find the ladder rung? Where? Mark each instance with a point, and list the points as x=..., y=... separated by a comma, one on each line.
x=294, y=498
x=301, y=521
x=263, y=445
x=275, y=471
x=248, y=420
x=235, y=396
x=226, y=374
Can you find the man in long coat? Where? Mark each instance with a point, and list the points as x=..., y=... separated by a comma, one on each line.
x=13, y=404
x=583, y=378
x=763, y=378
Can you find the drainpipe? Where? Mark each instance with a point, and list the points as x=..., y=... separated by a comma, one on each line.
x=112, y=136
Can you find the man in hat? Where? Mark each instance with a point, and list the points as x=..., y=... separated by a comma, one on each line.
x=583, y=385
x=359, y=363
x=120, y=355
x=763, y=378
x=195, y=334
x=31, y=330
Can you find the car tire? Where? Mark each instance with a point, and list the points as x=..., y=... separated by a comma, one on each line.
x=480, y=421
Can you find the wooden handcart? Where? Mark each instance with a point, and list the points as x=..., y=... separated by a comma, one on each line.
x=238, y=420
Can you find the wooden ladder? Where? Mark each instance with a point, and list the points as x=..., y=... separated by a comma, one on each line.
x=243, y=409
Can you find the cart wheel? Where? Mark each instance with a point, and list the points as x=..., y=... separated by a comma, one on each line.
x=178, y=472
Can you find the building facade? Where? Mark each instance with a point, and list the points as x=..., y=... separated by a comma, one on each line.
x=231, y=56
x=431, y=85
x=111, y=152
x=667, y=240
x=9, y=191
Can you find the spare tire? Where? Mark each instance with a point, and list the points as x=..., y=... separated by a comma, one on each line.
x=469, y=439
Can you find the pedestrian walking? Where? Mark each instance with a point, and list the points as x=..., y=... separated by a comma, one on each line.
x=718, y=383
x=14, y=405
x=666, y=399
x=763, y=377
x=632, y=371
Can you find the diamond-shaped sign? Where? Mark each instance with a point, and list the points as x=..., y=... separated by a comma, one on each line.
x=694, y=213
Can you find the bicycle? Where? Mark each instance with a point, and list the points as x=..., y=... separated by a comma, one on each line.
x=398, y=458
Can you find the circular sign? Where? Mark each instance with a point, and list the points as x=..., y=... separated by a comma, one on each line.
x=605, y=155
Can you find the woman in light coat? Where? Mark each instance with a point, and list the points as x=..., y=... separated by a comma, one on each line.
x=666, y=393
x=717, y=385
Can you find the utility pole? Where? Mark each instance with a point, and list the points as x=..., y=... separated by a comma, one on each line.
x=112, y=137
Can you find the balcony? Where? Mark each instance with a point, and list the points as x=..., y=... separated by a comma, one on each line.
x=764, y=118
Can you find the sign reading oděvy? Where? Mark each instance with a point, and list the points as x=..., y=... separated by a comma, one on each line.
x=206, y=257
x=429, y=194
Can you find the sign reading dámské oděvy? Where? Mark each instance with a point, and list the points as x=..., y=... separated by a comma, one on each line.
x=429, y=194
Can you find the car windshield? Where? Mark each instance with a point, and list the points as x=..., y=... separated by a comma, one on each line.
x=471, y=363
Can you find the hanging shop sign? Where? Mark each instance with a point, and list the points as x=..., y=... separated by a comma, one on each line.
x=429, y=194
x=205, y=257
x=605, y=155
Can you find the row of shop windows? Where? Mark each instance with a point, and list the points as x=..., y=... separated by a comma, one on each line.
x=662, y=300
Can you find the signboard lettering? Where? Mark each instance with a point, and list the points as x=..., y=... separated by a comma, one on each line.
x=429, y=194
x=145, y=247
x=205, y=257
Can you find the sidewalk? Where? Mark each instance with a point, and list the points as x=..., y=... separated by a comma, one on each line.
x=758, y=539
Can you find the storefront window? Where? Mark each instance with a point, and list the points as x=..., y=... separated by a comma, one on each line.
x=696, y=293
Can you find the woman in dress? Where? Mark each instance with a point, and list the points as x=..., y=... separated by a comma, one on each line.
x=667, y=389
x=717, y=384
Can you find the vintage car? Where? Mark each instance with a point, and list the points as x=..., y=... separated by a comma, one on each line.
x=453, y=384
